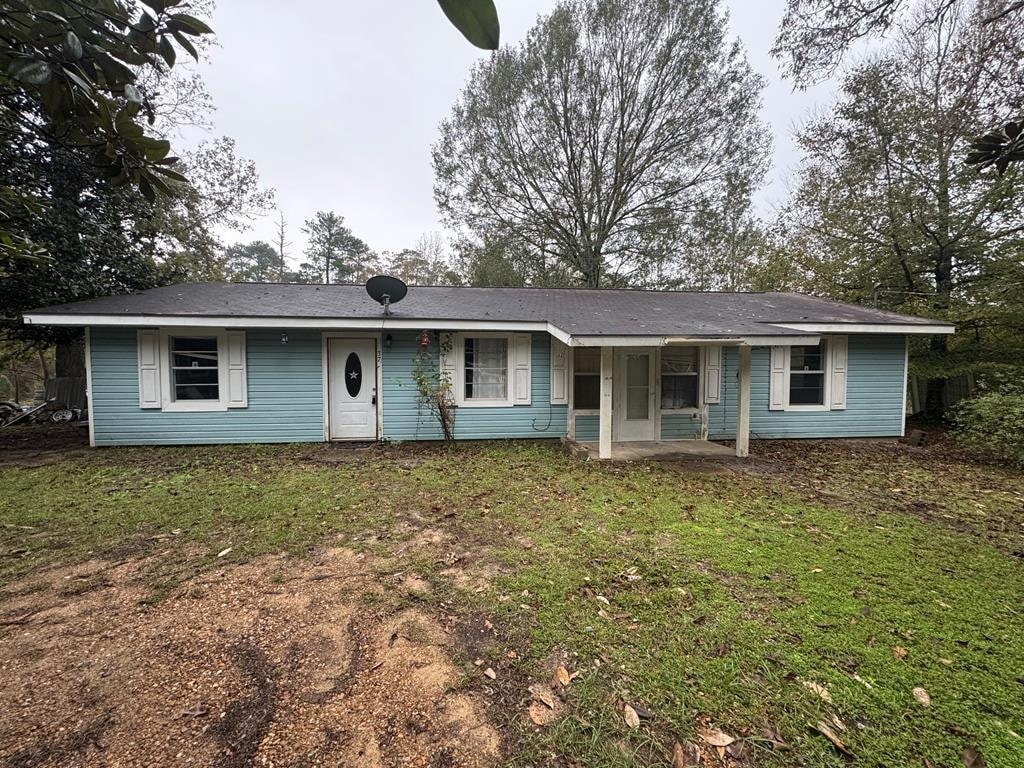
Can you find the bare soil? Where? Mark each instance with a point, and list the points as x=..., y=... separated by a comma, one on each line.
x=280, y=662
x=35, y=445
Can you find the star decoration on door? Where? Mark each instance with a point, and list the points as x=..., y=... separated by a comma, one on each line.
x=353, y=375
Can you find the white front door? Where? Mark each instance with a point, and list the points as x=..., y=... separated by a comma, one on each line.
x=352, y=389
x=633, y=414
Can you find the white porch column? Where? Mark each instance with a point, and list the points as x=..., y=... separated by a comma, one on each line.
x=604, y=450
x=743, y=405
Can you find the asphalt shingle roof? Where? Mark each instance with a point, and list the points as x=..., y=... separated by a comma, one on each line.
x=577, y=311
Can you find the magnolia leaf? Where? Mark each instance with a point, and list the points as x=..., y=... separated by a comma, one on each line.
x=190, y=25
x=477, y=20
x=922, y=697
x=185, y=43
x=716, y=738
x=34, y=73
x=631, y=717
x=132, y=93
x=72, y=45
x=167, y=50
x=150, y=194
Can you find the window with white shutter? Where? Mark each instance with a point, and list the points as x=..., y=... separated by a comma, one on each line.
x=559, y=366
x=192, y=369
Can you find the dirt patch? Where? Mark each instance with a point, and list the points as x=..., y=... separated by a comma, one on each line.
x=278, y=662
x=36, y=445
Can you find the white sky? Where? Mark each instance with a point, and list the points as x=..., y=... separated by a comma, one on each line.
x=338, y=103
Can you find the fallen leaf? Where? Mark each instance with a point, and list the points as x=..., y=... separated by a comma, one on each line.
x=716, y=738
x=224, y=552
x=816, y=570
x=478, y=663
x=737, y=751
x=602, y=599
x=947, y=662
x=922, y=697
x=899, y=652
x=971, y=758
x=823, y=728
x=631, y=717
x=774, y=738
x=544, y=697
x=490, y=673
x=562, y=676
x=821, y=690
x=685, y=755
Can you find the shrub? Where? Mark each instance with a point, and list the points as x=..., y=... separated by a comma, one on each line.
x=992, y=426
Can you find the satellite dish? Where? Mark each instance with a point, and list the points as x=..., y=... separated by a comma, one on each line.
x=386, y=290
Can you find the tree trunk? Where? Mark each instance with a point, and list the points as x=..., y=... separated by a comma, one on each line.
x=43, y=365
x=70, y=359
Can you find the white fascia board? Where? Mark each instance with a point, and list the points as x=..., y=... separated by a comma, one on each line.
x=897, y=328
x=375, y=324
x=743, y=341
x=617, y=341
x=693, y=341
x=559, y=334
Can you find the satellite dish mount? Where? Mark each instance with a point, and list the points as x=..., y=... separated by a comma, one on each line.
x=386, y=290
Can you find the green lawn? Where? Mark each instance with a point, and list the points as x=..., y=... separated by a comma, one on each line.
x=717, y=596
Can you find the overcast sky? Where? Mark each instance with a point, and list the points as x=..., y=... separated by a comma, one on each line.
x=338, y=102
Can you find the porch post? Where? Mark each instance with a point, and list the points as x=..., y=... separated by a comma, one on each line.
x=743, y=405
x=604, y=450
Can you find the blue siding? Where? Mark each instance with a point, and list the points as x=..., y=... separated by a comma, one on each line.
x=588, y=426
x=680, y=426
x=406, y=419
x=285, y=395
x=286, y=398
x=874, y=396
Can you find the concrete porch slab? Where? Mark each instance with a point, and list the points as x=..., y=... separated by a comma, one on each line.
x=656, y=450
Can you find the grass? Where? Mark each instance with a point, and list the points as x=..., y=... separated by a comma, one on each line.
x=704, y=597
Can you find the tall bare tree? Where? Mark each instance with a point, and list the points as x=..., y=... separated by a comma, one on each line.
x=602, y=136
x=815, y=36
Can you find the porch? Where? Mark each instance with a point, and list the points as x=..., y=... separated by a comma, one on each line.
x=630, y=408
x=656, y=450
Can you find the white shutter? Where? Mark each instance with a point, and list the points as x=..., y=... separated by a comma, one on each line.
x=447, y=362
x=712, y=374
x=559, y=372
x=521, y=343
x=838, y=358
x=149, y=368
x=778, y=386
x=238, y=389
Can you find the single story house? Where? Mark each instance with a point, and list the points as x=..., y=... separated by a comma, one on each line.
x=237, y=363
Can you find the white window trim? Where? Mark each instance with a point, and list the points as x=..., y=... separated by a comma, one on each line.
x=826, y=398
x=572, y=387
x=460, y=371
x=687, y=410
x=167, y=403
